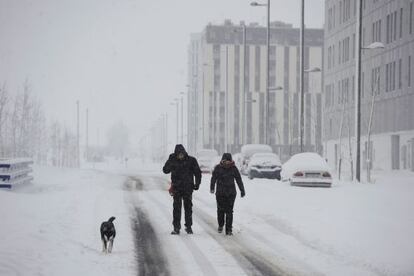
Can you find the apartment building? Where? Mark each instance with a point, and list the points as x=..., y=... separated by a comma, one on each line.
x=387, y=83
x=227, y=86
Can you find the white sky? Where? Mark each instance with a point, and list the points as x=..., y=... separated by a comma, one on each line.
x=124, y=59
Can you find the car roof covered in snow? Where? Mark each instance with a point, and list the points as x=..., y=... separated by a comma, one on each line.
x=207, y=152
x=250, y=149
x=306, y=161
x=266, y=157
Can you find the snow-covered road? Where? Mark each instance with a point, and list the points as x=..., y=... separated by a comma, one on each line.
x=52, y=227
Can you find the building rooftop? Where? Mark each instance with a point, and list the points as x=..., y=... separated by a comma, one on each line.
x=280, y=33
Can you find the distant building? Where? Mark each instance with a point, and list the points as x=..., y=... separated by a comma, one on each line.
x=386, y=73
x=217, y=64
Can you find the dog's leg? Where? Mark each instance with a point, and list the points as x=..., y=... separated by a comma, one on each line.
x=105, y=245
x=110, y=244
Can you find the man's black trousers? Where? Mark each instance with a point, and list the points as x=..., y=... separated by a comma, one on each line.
x=225, y=204
x=180, y=198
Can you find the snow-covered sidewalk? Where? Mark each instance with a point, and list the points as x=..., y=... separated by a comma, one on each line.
x=365, y=227
x=52, y=226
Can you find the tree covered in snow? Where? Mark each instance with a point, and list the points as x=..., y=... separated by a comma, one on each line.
x=24, y=131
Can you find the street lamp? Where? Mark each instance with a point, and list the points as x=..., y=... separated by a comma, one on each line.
x=374, y=45
x=255, y=4
x=244, y=83
x=302, y=71
x=302, y=103
x=175, y=102
x=312, y=70
x=205, y=64
x=182, y=116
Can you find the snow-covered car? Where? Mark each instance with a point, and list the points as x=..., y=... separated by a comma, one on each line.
x=247, y=152
x=205, y=157
x=307, y=169
x=237, y=158
x=264, y=165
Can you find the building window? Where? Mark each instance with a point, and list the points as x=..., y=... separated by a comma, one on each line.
x=353, y=45
x=395, y=25
x=339, y=52
x=355, y=7
x=375, y=80
x=411, y=18
x=346, y=49
x=400, y=74
x=388, y=29
x=362, y=84
x=409, y=71
x=376, y=31
x=386, y=77
x=353, y=88
x=401, y=22
x=390, y=76
x=339, y=92
x=393, y=76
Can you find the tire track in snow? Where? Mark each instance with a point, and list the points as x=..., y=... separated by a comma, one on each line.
x=199, y=257
x=150, y=256
x=251, y=261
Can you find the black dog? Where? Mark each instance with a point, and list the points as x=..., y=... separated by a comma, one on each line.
x=108, y=234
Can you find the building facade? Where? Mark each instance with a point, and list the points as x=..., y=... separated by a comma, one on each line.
x=227, y=86
x=387, y=90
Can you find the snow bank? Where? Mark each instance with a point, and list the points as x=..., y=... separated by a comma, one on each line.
x=350, y=229
x=52, y=226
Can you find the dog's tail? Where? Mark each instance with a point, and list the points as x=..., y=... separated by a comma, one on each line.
x=111, y=219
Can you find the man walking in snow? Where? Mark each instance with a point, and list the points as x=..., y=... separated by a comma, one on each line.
x=224, y=174
x=183, y=169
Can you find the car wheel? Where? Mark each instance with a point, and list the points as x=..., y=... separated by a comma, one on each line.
x=278, y=176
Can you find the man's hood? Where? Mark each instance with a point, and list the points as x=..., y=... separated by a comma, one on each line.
x=179, y=149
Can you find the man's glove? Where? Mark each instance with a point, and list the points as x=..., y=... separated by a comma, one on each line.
x=212, y=191
x=242, y=193
x=196, y=186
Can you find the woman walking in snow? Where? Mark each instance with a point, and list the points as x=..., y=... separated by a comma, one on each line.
x=224, y=175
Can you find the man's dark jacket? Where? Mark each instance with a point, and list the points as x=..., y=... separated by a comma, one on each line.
x=224, y=174
x=183, y=171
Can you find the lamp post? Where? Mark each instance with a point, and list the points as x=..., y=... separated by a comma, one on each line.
x=302, y=72
x=243, y=126
x=175, y=102
x=205, y=65
x=77, y=136
x=374, y=45
x=182, y=117
x=255, y=4
x=302, y=101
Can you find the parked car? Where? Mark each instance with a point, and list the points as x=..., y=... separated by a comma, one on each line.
x=205, y=157
x=247, y=152
x=307, y=169
x=264, y=165
x=237, y=158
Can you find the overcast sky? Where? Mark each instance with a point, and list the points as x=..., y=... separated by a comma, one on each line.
x=124, y=59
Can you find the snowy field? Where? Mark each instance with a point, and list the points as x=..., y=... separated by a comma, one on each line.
x=52, y=227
